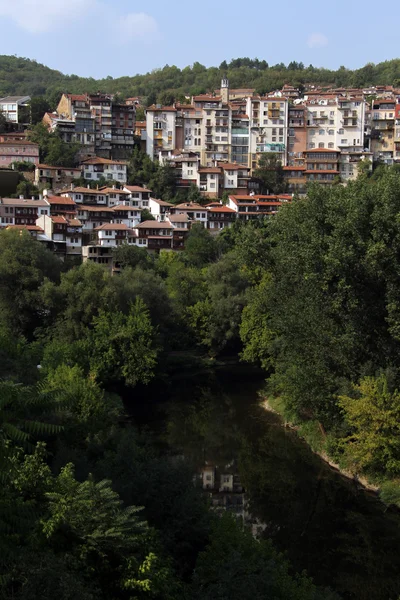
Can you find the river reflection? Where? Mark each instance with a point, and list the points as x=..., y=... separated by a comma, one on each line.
x=250, y=464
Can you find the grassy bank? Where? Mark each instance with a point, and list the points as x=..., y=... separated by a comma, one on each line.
x=324, y=444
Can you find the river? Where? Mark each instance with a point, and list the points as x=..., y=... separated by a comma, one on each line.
x=249, y=463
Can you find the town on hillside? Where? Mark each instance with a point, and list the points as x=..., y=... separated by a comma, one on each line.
x=217, y=144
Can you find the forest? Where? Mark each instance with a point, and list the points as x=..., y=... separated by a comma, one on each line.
x=23, y=76
x=91, y=505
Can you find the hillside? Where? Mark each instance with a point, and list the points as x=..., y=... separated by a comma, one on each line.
x=25, y=76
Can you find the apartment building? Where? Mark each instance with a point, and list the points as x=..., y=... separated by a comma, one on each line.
x=18, y=151
x=160, y=130
x=139, y=196
x=268, y=118
x=322, y=165
x=123, y=117
x=16, y=109
x=383, y=129
x=217, y=125
x=61, y=206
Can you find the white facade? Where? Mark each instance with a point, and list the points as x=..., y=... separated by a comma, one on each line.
x=335, y=124
x=116, y=171
x=160, y=131
x=268, y=127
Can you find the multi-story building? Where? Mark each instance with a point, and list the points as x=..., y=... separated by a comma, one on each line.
x=55, y=176
x=154, y=235
x=20, y=211
x=64, y=231
x=297, y=135
x=16, y=109
x=383, y=129
x=268, y=125
x=139, y=196
x=217, y=126
x=195, y=212
x=18, y=151
x=219, y=217
x=160, y=130
x=97, y=168
x=61, y=206
x=322, y=165
x=257, y=206
x=122, y=130
x=85, y=195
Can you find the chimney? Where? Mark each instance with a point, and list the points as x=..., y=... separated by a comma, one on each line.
x=33, y=198
x=45, y=192
x=21, y=197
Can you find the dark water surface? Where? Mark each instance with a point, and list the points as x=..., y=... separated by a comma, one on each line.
x=342, y=535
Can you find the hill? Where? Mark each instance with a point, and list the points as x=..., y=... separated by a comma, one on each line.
x=25, y=76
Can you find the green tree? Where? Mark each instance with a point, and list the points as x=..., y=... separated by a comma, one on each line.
x=270, y=173
x=373, y=416
x=235, y=565
x=123, y=346
x=200, y=246
x=38, y=107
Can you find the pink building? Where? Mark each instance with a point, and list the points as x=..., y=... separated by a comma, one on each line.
x=17, y=151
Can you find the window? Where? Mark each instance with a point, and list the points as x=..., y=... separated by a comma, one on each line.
x=321, y=132
x=330, y=145
x=343, y=142
x=321, y=145
x=312, y=132
x=311, y=145
x=341, y=131
x=331, y=132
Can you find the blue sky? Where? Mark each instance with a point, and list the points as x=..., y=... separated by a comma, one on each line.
x=96, y=38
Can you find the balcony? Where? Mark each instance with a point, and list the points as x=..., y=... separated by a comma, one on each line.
x=240, y=131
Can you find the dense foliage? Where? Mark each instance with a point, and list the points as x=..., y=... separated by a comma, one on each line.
x=90, y=506
x=24, y=76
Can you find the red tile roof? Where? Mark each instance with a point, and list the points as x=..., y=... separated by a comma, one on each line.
x=113, y=227
x=136, y=188
x=97, y=160
x=60, y=200
x=59, y=220
x=222, y=209
x=154, y=225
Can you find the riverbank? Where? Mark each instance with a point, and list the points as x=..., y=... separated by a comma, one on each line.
x=314, y=435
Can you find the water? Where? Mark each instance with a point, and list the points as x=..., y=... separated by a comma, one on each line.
x=249, y=463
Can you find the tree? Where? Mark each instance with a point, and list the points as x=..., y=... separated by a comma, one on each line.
x=200, y=246
x=128, y=255
x=38, y=106
x=194, y=194
x=146, y=215
x=123, y=346
x=235, y=565
x=52, y=149
x=24, y=266
x=374, y=417
x=270, y=173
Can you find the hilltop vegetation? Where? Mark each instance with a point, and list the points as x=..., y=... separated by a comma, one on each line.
x=25, y=76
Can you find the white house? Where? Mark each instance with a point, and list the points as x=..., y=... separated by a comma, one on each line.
x=96, y=168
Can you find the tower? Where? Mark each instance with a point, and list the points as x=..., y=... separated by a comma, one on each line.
x=225, y=90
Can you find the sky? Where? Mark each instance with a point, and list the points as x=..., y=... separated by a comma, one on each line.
x=100, y=38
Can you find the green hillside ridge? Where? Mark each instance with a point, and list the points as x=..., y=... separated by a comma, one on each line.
x=26, y=76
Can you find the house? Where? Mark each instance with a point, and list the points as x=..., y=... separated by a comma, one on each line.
x=129, y=215
x=20, y=211
x=94, y=216
x=159, y=208
x=112, y=234
x=85, y=195
x=16, y=109
x=18, y=151
x=220, y=217
x=97, y=168
x=194, y=211
x=65, y=232
x=210, y=181
x=257, y=206
x=154, y=235
x=61, y=206
x=54, y=176
x=295, y=177
x=115, y=195
x=140, y=196
x=33, y=230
